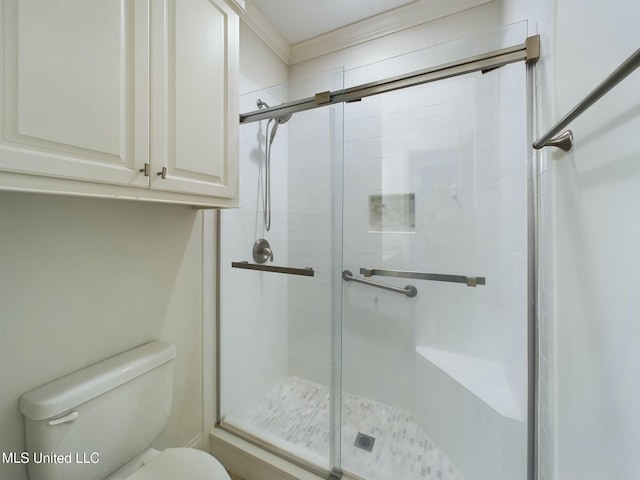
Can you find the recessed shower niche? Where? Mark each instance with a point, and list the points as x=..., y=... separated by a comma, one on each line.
x=392, y=213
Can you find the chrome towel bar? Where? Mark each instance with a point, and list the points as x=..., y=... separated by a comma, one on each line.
x=565, y=139
x=409, y=290
x=436, y=277
x=306, y=272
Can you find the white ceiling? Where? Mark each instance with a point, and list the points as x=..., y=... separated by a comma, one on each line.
x=299, y=20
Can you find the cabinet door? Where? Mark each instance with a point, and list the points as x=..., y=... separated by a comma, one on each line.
x=74, y=82
x=194, y=97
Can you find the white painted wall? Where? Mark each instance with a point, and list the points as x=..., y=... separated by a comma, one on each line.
x=597, y=233
x=587, y=305
x=83, y=279
x=259, y=66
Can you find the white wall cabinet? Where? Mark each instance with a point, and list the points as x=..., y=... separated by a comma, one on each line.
x=100, y=96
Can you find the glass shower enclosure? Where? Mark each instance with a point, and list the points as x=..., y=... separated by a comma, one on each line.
x=384, y=330
x=277, y=333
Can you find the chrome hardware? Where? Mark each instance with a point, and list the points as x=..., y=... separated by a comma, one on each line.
x=163, y=173
x=145, y=170
x=564, y=141
x=305, y=272
x=277, y=120
x=409, y=290
x=436, y=277
x=619, y=74
x=516, y=53
x=68, y=418
x=262, y=251
x=322, y=97
x=533, y=48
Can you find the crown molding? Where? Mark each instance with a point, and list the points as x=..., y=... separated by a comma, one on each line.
x=257, y=22
x=378, y=26
x=393, y=21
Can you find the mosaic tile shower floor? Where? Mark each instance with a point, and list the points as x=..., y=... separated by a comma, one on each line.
x=298, y=411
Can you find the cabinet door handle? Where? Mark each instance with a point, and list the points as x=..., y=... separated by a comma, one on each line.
x=145, y=170
x=163, y=173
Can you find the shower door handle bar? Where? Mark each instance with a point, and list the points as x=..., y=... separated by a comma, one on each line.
x=305, y=272
x=436, y=277
x=409, y=290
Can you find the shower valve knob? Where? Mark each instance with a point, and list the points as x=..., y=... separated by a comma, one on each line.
x=262, y=251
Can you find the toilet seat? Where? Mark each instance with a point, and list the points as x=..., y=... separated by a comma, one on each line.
x=181, y=463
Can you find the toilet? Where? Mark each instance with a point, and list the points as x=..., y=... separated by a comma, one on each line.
x=99, y=423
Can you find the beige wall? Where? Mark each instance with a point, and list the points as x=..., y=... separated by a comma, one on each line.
x=259, y=66
x=83, y=279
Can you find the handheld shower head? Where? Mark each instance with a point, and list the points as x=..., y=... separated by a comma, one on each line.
x=277, y=121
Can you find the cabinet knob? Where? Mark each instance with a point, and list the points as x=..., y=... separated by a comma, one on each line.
x=145, y=170
x=163, y=173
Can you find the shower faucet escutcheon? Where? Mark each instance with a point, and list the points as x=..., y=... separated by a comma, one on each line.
x=262, y=251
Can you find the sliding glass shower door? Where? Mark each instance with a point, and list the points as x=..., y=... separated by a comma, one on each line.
x=278, y=292
x=434, y=339
x=374, y=285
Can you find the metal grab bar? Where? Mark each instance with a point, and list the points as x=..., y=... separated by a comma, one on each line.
x=437, y=277
x=306, y=271
x=565, y=140
x=409, y=290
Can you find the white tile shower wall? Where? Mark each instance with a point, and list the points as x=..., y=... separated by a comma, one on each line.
x=310, y=237
x=513, y=260
x=422, y=143
x=253, y=307
x=404, y=142
x=513, y=227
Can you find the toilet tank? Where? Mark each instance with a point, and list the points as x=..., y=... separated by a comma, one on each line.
x=86, y=425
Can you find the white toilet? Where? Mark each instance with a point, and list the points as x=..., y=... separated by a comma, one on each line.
x=99, y=422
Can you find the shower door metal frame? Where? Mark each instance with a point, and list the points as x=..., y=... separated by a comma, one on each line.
x=528, y=52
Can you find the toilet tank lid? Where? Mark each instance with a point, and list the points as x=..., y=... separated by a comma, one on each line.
x=68, y=392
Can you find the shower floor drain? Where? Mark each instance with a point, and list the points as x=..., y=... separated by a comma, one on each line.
x=365, y=442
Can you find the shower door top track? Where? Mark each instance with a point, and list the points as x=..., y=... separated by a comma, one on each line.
x=528, y=51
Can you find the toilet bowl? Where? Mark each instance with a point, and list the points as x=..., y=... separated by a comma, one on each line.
x=174, y=464
x=104, y=419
